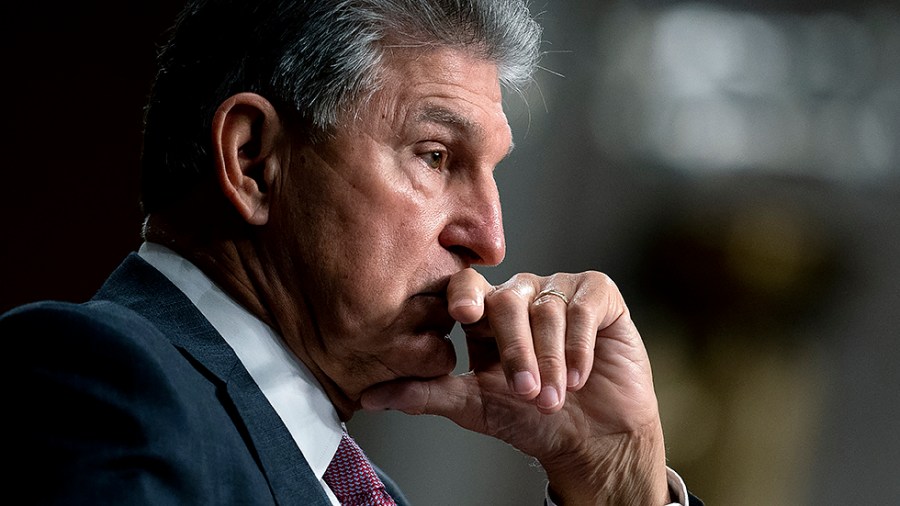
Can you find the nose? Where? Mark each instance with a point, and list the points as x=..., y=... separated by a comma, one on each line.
x=474, y=230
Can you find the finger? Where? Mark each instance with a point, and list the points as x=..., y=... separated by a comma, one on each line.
x=465, y=295
x=415, y=397
x=547, y=314
x=457, y=398
x=614, y=320
x=595, y=305
x=581, y=337
x=507, y=312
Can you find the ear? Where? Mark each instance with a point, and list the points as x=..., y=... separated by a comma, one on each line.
x=245, y=133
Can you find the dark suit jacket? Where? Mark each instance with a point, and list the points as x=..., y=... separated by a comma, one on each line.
x=134, y=398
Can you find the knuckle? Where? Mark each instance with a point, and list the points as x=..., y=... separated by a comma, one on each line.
x=578, y=312
x=579, y=346
x=522, y=278
x=605, y=280
x=504, y=296
x=595, y=277
x=550, y=363
x=555, y=278
x=544, y=311
x=514, y=351
x=424, y=398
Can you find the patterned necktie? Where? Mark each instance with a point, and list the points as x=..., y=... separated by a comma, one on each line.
x=352, y=478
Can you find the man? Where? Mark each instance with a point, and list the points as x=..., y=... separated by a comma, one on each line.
x=318, y=183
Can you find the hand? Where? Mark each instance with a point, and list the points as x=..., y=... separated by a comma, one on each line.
x=567, y=382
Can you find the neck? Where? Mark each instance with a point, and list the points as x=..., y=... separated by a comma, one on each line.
x=235, y=261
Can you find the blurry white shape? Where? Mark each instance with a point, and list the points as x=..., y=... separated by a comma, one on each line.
x=878, y=131
x=699, y=49
x=763, y=66
x=705, y=89
x=704, y=58
x=875, y=143
x=694, y=48
x=717, y=133
x=706, y=134
x=778, y=135
x=835, y=139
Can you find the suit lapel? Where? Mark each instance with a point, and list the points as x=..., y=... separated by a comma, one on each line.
x=137, y=285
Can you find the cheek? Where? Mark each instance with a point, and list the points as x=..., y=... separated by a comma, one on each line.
x=378, y=266
x=361, y=260
x=391, y=230
x=369, y=240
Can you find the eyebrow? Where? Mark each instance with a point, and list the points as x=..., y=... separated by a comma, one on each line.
x=444, y=116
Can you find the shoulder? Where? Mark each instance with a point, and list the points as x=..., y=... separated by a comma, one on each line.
x=71, y=352
x=96, y=331
x=49, y=315
x=107, y=409
x=98, y=363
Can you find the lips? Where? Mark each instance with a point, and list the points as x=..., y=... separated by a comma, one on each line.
x=435, y=288
x=427, y=347
x=430, y=314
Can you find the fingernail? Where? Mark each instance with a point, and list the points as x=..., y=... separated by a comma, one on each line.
x=549, y=398
x=466, y=303
x=573, y=377
x=524, y=383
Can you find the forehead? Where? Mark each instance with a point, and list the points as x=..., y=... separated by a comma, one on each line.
x=446, y=86
x=450, y=66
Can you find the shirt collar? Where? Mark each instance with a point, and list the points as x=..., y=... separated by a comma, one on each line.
x=286, y=382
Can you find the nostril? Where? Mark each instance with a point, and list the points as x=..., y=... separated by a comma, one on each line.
x=466, y=254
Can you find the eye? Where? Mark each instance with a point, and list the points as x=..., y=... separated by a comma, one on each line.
x=434, y=159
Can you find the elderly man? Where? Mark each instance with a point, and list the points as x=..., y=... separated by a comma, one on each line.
x=318, y=183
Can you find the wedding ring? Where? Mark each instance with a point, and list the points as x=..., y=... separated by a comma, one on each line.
x=551, y=291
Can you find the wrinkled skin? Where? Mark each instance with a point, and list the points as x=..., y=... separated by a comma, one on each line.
x=361, y=257
x=604, y=440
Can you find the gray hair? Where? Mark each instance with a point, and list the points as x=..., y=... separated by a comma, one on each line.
x=314, y=60
x=357, y=32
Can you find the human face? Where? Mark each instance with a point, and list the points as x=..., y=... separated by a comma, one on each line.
x=379, y=217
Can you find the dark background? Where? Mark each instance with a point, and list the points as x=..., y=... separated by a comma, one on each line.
x=76, y=77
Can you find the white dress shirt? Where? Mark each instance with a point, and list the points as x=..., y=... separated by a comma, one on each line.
x=288, y=385
x=285, y=381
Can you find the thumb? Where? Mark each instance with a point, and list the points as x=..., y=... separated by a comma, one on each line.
x=448, y=396
x=465, y=295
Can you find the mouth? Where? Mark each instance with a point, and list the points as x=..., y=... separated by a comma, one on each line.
x=426, y=317
x=435, y=289
x=432, y=297
x=432, y=315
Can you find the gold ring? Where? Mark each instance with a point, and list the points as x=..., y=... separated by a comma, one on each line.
x=551, y=291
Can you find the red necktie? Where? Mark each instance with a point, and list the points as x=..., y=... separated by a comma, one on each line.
x=352, y=478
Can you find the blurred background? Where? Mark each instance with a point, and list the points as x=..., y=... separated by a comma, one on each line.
x=733, y=165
